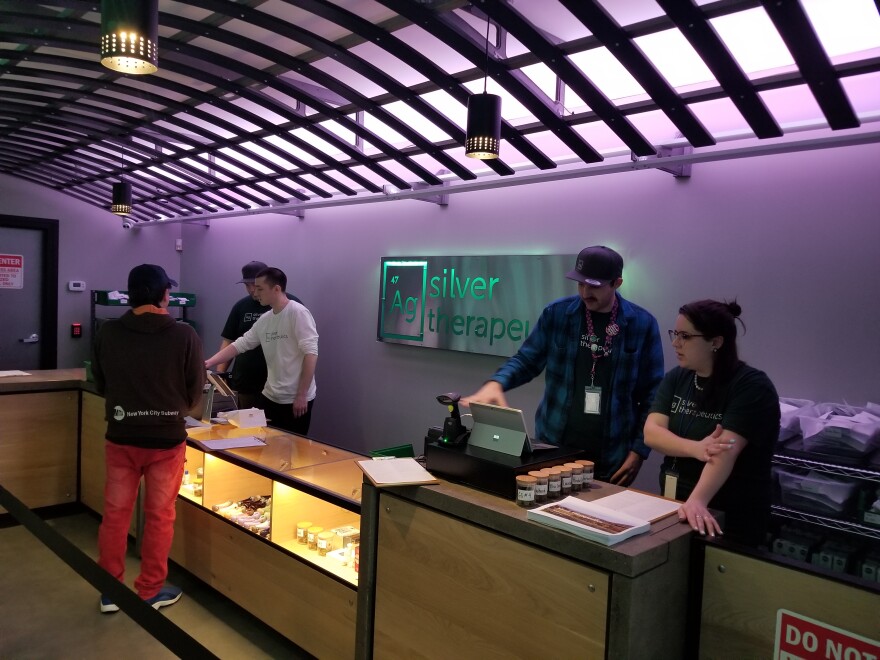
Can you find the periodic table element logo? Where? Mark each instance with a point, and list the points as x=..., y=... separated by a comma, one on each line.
x=404, y=286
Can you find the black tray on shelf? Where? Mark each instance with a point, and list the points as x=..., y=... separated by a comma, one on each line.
x=795, y=448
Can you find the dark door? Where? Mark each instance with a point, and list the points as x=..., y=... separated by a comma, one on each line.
x=28, y=293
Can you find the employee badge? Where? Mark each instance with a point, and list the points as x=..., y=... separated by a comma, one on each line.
x=592, y=400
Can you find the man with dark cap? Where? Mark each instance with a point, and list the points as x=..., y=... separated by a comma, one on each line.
x=604, y=361
x=249, y=372
x=149, y=369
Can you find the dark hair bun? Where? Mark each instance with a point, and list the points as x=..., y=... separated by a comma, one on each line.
x=734, y=308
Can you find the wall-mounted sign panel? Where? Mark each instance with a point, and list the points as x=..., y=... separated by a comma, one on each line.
x=11, y=271
x=485, y=304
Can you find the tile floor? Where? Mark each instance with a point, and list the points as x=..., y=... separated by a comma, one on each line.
x=48, y=611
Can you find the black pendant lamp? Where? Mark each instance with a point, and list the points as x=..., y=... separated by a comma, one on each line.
x=121, y=204
x=130, y=35
x=483, y=138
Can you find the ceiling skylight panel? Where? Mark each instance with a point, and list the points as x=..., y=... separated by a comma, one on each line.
x=674, y=57
x=232, y=51
x=242, y=125
x=449, y=106
x=543, y=77
x=197, y=121
x=339, y=71
x=317, y=142
x=384, y=61
x=293, y=150
x=607, y=73
x=864, y=93
x=752, y=40
x=600, y=137
x=227, y=165
x=382, y=130
x=844, y=26
x=416, y=121
x=434, y=49
x=553, y=19
x=721, y=117
x=340, y=131
x=266, y=185
x=202, y=166
x=793, y=105
x=242, y=158
x=548, y=143
x=627, y=12
x=656, y=127
x=369, y=175
x=288, y=12
x=262, y=111
x=167, y=172
x=279, y=162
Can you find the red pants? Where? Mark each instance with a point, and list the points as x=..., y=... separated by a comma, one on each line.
x=162, y=470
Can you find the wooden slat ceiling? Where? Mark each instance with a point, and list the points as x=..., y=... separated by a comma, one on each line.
x=261, y=103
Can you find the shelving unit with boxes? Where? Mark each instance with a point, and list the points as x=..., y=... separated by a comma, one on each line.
x=824, y=505
x=108, y=298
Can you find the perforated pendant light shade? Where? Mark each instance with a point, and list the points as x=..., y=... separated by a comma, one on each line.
x=130, y=35
x=121, y=204
x=483, y=126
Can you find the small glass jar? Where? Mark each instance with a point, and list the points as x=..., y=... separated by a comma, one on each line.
x=525, y=491
x=589, y=468
x=577, y=477
x=554, y=484
x=197, y=490
x=325, y=543
x=540, y=486
x=302, y=532
x=312, y=536
x=566, y=480
x=357, y=558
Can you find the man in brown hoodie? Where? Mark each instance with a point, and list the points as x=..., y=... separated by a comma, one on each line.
x=150, y=370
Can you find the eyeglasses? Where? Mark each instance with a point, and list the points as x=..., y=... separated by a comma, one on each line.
x=684, y=336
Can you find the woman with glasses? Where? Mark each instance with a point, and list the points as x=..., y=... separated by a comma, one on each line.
x=716, y=419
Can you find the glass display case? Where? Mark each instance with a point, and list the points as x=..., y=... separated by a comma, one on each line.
x=298, y=494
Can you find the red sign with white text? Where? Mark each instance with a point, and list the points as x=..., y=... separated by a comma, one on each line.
x=11, y=271
x=801, y=638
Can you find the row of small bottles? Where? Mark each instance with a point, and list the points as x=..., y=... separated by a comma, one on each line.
x=553, y=483
x=315, y=537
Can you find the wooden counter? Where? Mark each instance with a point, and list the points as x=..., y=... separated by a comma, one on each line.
x=39, y=440
x=45, y=381
x=460, y=573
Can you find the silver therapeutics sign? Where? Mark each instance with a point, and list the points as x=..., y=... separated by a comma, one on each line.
x=473, y=304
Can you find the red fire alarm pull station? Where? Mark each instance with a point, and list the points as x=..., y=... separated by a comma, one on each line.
x=76, y=330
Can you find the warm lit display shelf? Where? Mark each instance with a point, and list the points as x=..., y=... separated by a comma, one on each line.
x=296, y=480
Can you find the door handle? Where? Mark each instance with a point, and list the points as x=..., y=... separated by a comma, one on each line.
x=33, y=339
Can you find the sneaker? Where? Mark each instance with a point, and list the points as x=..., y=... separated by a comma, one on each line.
x=168, y=595
x=108, y=605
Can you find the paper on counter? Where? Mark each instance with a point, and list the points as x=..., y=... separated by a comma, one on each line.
x=232, y=443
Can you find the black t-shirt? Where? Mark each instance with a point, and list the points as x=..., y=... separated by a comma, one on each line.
x=249, y=369
x=587, y=430
x=748, y=406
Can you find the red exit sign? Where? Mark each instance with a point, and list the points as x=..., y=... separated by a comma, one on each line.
x=802, y=638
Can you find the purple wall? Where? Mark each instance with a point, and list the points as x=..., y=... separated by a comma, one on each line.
x=794, y=237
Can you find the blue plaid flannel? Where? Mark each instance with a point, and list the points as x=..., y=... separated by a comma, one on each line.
x=636, y=366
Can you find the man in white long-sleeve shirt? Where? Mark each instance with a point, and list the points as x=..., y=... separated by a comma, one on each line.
x=289, y=341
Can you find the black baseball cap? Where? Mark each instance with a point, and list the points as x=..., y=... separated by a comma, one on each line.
x=149, y=277
x=597, y=265
x=249, y=272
